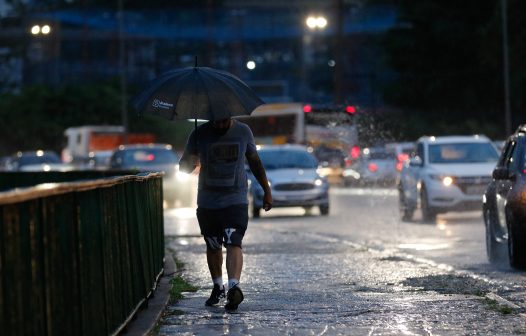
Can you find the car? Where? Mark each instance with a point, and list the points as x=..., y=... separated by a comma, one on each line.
x=332, y=161
x=402, y=150
x=99, y=160
x=447, y=173
x=374, y=166
x=504, y=204
x=177, y=186
x=292, y=172
x=35, y=161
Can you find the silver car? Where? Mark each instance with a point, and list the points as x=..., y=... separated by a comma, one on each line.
x=292, y=172
x=376, y=166
x=177, y=186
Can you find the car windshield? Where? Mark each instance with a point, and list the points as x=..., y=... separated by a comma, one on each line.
x=462, y=153
x=280, y=159
x=148, y=156
x=33, y=159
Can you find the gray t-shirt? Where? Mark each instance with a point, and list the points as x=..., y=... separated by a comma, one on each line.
x=222, y=176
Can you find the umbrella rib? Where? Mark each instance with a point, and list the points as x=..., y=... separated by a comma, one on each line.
x=209, y=112
x=179, y=90
x=227, y=83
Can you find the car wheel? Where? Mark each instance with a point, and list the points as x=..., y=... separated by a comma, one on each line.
x=324, y=209
x=516, y=250
x=406, y=211
x=428, y=213
x=494, y=249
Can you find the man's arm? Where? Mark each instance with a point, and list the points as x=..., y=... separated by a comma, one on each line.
x=259, y=173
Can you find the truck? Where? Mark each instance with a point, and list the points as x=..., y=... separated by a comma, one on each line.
x=83, y=142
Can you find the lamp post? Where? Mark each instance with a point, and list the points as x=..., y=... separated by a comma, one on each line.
x=505, y=66
x=313, y=23
x=122, y=72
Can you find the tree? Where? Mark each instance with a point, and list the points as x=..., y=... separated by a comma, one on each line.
x=448, y=59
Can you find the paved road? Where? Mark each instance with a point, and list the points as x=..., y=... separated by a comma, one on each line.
x=358, y=271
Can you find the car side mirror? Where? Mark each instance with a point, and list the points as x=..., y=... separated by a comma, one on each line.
x=501, y=173
x=415, y=162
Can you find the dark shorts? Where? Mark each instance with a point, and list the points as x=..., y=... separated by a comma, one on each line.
x=225, y=226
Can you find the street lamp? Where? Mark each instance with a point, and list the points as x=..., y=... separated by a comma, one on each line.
x=316, y=22
x=37, y=29
x=313, y=23
x=505, y=66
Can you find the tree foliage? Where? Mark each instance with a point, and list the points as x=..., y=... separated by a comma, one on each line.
x=37, y=117
x=448, y=59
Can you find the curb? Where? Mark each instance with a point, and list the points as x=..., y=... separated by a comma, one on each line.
x=502, y=301
x=146, y=319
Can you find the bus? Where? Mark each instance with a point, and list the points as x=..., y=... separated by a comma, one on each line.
x=311, y=125
x=332, y=134
x=277, y=123
x=331, y=126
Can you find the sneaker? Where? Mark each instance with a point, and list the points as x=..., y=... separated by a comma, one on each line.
x=217, y=294
x=234, y=297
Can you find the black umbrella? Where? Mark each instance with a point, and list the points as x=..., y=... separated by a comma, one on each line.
x=197, y=93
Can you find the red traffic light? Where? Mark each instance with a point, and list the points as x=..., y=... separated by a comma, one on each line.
x=307, y=108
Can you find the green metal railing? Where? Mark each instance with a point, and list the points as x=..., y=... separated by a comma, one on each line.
x=79, y=258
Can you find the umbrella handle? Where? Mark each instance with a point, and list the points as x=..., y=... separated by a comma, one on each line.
x=195, y=133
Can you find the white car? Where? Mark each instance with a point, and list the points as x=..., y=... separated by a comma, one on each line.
x=294, y=178
x=447, y=173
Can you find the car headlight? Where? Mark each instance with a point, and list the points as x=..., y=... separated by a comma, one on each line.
x=182, y=177
x=446, y=180
x=318, y=182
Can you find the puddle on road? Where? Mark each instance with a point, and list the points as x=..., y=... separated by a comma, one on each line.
x=449, y=284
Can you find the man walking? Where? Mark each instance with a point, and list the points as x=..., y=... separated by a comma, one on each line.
x=220, y=147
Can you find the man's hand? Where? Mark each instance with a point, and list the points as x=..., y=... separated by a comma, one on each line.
x=254, y=162
x=267, y=201
x=188, y=163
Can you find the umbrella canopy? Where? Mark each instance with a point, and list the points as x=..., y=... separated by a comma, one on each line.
x=197, y=93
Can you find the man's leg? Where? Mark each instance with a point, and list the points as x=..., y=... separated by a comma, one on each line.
x=234, y=265
x=234, y=261
x=214, y=258
x=212, y=235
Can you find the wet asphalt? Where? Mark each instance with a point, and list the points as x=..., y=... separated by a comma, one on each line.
x=301, y=282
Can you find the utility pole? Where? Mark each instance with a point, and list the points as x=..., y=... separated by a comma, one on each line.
x=122, y=69
x=505, y=65
x=339, y=47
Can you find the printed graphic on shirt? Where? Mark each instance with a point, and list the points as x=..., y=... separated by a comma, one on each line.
x=222, y=164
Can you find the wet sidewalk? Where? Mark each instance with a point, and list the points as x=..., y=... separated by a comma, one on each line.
x=301, y=283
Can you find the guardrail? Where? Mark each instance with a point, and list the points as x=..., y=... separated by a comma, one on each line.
x=79, y=258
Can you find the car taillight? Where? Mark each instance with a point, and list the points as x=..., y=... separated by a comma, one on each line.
x=372, y=167
x=355, y=152
x=402, y=157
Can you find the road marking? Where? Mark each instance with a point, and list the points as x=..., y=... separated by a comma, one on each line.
x=364, y=191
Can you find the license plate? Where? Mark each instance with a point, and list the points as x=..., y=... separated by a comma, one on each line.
x=290, y=198
x=475, y=190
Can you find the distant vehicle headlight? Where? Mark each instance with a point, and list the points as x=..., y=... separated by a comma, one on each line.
x=182, y=177
x=446, y=180
x=318, y=182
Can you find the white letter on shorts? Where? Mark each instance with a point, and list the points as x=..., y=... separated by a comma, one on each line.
x=228, y=233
